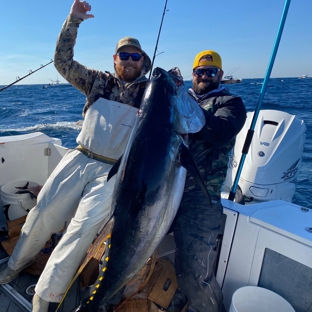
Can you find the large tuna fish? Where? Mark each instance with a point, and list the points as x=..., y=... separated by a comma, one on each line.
x=149, y=185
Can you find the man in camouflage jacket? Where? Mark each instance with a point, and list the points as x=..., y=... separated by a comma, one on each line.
x=77, y=192
x=198, y=222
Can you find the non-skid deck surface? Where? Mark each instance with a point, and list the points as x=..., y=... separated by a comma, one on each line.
x=17, y=295
x=7, y=305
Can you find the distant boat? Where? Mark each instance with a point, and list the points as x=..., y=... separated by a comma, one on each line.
x=304, y=77
x=230, y=80
x=55, y=82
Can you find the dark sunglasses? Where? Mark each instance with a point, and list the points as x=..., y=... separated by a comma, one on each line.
x=124, y=56
x=210, y=72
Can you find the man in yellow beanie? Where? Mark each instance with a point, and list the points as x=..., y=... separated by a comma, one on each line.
x=197, y=227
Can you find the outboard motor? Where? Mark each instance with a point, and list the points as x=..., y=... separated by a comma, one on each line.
x=272, y=163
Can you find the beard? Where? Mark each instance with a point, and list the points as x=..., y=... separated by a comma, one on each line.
x=204, y=86
x=127, y=73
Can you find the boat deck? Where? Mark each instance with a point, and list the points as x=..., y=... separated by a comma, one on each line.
x=17, y=295
x=7, y=305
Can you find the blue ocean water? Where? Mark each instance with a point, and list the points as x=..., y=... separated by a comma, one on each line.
x=54, y=110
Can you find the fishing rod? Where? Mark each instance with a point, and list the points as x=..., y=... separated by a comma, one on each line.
x=259, y=103
x=232, y=71
x=235, y=70
x=162, y=19
x=30, y=73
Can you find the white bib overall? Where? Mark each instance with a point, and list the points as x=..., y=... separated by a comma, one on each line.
x=77, y=192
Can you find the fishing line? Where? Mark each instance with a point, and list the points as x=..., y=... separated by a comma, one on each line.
x=231, y=72
x=260, y=100
x=162, y=19
x=30, y=73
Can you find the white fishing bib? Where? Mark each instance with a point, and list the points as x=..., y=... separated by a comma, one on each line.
x=107, y=127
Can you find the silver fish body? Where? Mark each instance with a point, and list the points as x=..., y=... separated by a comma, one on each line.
x=148, y=190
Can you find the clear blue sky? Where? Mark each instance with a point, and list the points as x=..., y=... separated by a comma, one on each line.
x=242, y=31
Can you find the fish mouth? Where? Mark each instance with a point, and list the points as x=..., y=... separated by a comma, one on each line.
x=158, y=71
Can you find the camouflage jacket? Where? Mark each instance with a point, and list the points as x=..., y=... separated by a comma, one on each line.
x=225, y=116
x=93, y=83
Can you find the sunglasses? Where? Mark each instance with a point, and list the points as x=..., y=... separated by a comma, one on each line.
x=210, y=72
x=124, y=56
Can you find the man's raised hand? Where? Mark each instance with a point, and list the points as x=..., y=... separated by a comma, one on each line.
x=80, y=9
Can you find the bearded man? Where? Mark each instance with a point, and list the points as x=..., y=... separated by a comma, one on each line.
x=198, y=226
x=77, y=193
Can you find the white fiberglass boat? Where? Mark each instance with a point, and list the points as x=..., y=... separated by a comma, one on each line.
x=266, y=243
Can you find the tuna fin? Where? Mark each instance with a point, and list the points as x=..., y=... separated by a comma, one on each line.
x=189, y=164
x=114, y=169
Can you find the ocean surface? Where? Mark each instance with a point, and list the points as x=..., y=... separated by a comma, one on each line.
x=54, y=110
